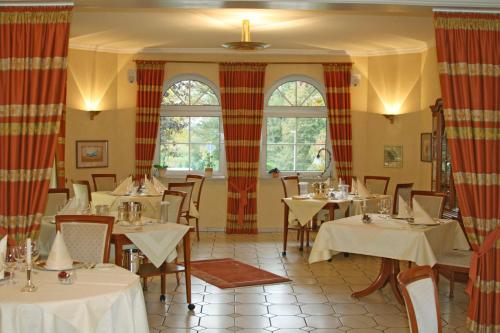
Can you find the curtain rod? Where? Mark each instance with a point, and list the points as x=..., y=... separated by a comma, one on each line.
x=250, y=62
x=464, y=10
x=36, y=4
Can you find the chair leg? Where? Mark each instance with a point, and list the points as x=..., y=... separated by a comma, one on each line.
x=301, y=239
x=307, y=237
x=163, y=279
x=298, y=235
x=144, y=283
x=452, y=283
x=177, y=275
x=197, y=229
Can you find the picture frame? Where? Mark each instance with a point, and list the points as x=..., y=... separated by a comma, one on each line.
x=91, y=154
x=393, y=156
x=426, y=147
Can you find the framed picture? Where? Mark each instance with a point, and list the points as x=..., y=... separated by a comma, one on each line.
x=393, y=156
x=426, y=147
x=91, y=154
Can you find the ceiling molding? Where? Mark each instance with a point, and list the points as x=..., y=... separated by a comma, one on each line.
x=298, y=52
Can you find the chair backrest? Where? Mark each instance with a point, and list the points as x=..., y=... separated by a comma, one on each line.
x=104, y=181
x=82, y=191
x=290, y=185
x=87, y=237
x=403, y=190
x=186, y=187
x=420, y=293
x=176, y=200
x=198, y=181
x=431, y=202
x=56, y=198
x=377, y=184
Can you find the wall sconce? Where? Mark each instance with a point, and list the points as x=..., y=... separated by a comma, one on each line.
x=390, y=117
x=93, y=114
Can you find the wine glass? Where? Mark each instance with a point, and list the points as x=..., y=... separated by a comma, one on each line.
x=10, y=263
x=20, y=255
x=381, y=208
x=35, y=254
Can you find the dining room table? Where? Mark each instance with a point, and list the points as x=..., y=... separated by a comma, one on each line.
x=304, y=208
x=101, y=299
x=390, y=239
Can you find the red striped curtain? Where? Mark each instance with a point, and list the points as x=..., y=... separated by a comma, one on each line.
x=150, y=76
x=338, y=102
x=33, y=51
x=468, y=49
x=60, y=151
x=242, y=101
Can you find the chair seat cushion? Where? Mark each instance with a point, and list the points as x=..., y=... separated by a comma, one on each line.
x=457, y=258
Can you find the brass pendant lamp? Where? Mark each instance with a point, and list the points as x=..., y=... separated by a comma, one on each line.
x=245, y=44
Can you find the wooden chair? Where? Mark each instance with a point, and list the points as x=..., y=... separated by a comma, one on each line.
x=186, y=187
x=104, y=181
x=403, y=190
x=420, y=294
x=291, y=188
x=198, y=181
x=82, y=190
x=87, y=237
x=377, y=184
x=432, y=202
x=451, y=263
x=147, y=269
x=56, y=198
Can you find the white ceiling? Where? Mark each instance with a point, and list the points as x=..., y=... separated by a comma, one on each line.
x=168, y=26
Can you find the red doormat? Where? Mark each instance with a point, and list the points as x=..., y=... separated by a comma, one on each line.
x=230, y=273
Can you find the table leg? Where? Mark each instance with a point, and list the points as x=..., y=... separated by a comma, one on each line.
x=285, y=228
x=389, y=269
x=187, y=268
x=118, y=253
x=331, y=212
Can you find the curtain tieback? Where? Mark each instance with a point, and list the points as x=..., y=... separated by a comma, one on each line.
x=478, y=252
x=243, y=199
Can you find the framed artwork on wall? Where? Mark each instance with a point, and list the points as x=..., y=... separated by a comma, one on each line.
x=426, y=147
x=91, y=154
x=393, y=156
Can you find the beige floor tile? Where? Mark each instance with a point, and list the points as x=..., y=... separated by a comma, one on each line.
x=281, y=298
x=349, y=309
x=155, y=320
x=382, y=308
x=392, y=320
x=250, y=309
x=250, y=298
x=252, y=322
x=219, y=298
x=323, y=322
x=217, y=322
x=312, y=298
x=217, y=309
x=284, y=310
x=317, y=309
x=358, y=321
x=288, y=322
x=180, y=321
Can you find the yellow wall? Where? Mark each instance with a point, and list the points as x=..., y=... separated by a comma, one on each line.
x=409, y=80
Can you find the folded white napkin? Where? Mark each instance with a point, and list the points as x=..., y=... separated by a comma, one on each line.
x=149, y=186
x=420, y=216
x=72, y=207
x=3, y=252
x=362, y=190
x=124, y=187
x=354, y=184
x=404, y=210
x=159, y=185
x=59, y=258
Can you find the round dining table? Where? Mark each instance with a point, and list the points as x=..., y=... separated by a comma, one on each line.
x=101, y=299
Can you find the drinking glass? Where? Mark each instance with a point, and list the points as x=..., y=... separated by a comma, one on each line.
x=20, y=255
x=35, y=254
x=10, y=263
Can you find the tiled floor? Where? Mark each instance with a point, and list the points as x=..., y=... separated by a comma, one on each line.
x=317, y=300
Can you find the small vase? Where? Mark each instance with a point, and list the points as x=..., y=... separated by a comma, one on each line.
x=162, y=172
x=209, y=172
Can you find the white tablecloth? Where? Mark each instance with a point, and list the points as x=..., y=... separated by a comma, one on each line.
x=157, y=241
x=304, y=210
x=100, y=300
x=394, y=239
x=150, y=204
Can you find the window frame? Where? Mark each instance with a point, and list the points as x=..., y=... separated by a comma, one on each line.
x=193, y=111
x=293, y=112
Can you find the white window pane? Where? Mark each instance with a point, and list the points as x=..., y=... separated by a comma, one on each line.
x=280, y=130
x=311, y=130
x=205, y=130
x=174, y=129
x=280, y=156
x=204, y=156
x=296, y=93
x=176, y=156
x=315, y=99
x=306, y=158
x=189, y=92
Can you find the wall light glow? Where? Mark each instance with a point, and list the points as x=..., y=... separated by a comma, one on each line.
x=392, y=108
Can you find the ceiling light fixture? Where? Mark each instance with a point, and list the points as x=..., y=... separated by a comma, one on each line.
x=245, y=44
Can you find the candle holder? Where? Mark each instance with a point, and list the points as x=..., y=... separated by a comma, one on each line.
x=29, y=287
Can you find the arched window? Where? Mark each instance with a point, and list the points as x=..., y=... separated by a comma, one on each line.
x=295, y=127
x=190, y=137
